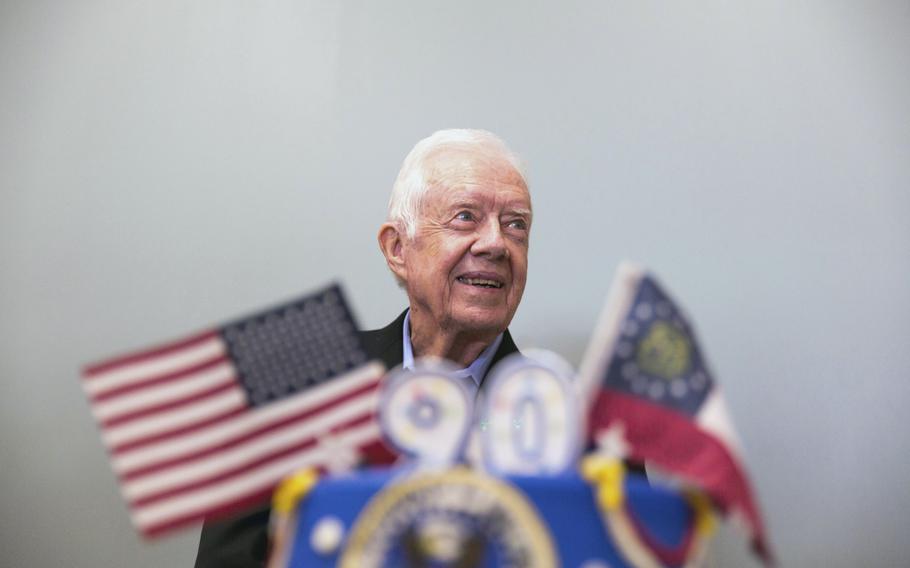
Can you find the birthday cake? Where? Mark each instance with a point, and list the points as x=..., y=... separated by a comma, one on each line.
x=460, y=517
x=526, y=498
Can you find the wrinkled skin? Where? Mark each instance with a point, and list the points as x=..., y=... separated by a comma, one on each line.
x=465, y=268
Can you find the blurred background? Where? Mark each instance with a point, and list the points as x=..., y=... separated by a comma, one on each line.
x=168, y=165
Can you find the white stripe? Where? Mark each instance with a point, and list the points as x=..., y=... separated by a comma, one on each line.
x=251, y=450
x=715, y=419
x=148, y=368
x=159, y=422
x=218, y=494
x=274, y=412
x=160, y=394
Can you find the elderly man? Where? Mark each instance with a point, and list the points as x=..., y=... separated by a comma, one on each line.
x=456, y=239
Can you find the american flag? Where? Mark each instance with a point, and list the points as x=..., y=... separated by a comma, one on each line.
x=652, y=398
x=207, y=425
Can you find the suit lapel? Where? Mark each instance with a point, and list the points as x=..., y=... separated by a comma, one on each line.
x=386, y=344
x=506, y=348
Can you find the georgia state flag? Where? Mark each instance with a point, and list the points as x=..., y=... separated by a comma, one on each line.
x=649, y=388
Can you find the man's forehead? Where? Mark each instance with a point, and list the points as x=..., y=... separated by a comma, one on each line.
x=468, y=166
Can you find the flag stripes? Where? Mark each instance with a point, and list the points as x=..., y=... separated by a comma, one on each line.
x=212, y=407
x=184, y=439
x=219, y=499
x=173, y=434
x=679, y=445
x=159, y=380
x=129, y=409
x=249, y=426
x=155, y=363
x=165, y=489
x=266, y=442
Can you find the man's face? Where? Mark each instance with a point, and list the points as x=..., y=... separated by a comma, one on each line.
x=467, y=263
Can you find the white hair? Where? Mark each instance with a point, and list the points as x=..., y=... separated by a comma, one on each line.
x=411, y=184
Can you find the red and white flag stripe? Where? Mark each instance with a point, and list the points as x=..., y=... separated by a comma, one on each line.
x=186, y=444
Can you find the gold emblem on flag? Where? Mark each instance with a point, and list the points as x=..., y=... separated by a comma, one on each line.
x=665, y=351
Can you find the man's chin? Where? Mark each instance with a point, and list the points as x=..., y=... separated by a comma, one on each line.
x=482, y=321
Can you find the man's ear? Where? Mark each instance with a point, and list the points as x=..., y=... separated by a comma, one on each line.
x=391, y=243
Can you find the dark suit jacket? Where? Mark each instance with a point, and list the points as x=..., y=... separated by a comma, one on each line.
x=386, y=344
x=243, y=542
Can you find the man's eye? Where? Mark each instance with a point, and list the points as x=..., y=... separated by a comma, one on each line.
x=517, y=224
x=465, y=216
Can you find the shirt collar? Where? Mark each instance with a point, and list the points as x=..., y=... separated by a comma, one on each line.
x=475, y=370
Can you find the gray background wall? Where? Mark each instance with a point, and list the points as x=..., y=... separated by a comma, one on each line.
x=167, y=165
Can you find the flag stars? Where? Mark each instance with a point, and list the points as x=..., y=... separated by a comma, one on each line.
x=625, y=349
x=639, y=385
x=656, y=390
x=678, y=388
x=630, y=328
x=644, y=311
x=290, y=348
x=630, y=371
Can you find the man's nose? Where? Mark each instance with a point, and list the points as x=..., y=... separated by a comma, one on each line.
x=490, y=240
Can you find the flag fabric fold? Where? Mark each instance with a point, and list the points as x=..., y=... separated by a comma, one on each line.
x=208, y=425
x=646, y=381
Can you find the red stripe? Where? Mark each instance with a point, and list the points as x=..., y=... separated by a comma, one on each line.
x=677, y=444
x=170, y=405
x=196, y=455
x=165, y=434
x=156, y=380
x=241, y=504
x=246, y=467
x=89, y=372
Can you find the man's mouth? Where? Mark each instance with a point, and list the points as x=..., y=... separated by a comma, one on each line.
x=480, y=282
